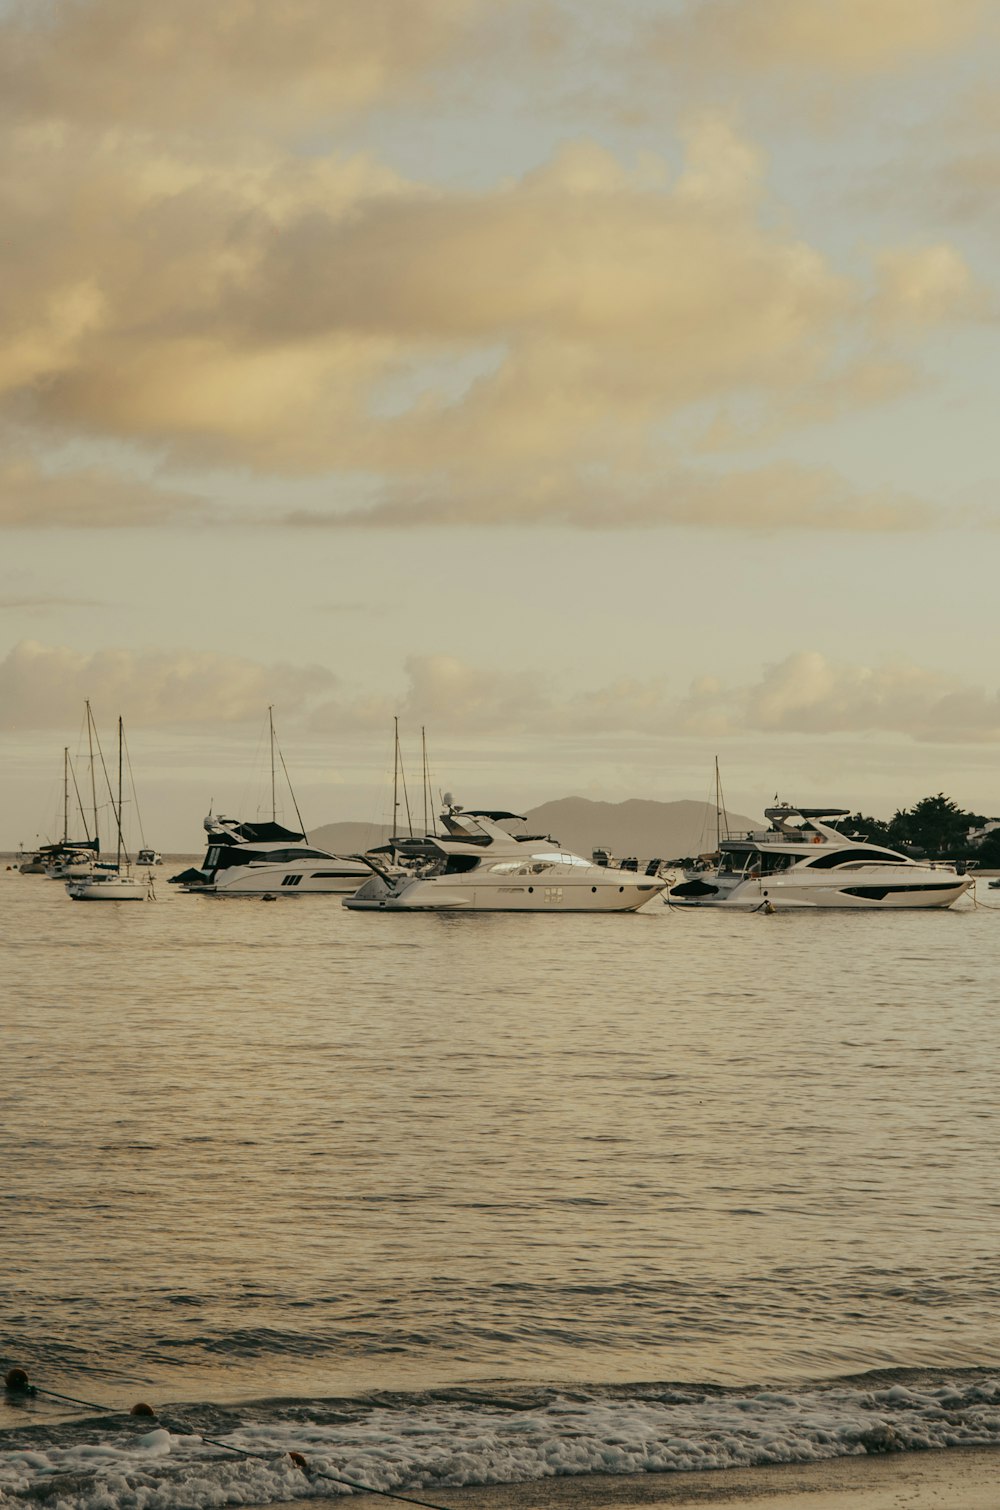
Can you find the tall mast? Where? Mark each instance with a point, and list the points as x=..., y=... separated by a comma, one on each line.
x=423, y=746
x=718, y=811
x=395, y=779
x=721, y=816
x=119, y=792
x=65, y=794
x=270, y=720
x=93, y=781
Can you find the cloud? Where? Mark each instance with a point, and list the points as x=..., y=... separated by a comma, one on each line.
x=87, y=498
x=180, y=62
x=44, y=687
x=781, y=496
x=927, y=285
x=545, y=348
x=809, y=694
x=833, y=37
x=805, y=694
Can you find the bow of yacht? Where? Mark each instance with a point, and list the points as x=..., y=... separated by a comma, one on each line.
x=811, y=864
x=478, y=866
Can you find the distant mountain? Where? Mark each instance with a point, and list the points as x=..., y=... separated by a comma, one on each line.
x=665, y=830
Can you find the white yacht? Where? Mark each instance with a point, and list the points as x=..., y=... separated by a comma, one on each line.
x=480, y=867
x=266, y=859
x=808, y=863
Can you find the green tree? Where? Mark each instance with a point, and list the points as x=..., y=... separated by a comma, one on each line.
x=935, y=825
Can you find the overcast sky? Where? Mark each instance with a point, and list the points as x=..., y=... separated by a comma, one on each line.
x=603, y=387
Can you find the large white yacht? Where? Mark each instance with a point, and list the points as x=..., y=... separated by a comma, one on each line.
x=808, y=863
x=266, y=859
x=479, y=867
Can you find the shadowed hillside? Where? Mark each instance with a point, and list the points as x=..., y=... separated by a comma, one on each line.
x=666, y=830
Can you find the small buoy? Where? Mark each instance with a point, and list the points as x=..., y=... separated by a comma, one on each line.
x=142, y=1409
x=16, y=1380
x=298, y=1460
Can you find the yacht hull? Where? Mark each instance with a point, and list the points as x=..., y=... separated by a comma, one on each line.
x=441, y=895
x=283, y=880
x=882, y=894
x=116, y=890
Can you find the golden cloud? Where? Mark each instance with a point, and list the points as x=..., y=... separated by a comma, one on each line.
x=180, y=63
x=219, y=300
x=840, y=37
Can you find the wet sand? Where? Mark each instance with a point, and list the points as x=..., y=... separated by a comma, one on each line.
x=957, y=1479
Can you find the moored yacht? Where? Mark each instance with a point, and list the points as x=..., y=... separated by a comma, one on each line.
x=257, y=859
x=811, y=864
x=477, y=866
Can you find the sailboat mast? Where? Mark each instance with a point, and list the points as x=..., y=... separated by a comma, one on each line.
x=395, y=780
x=65, y=794
x=119, y=791
x=423, y=746
x=718, y=811
x=93, y=779
x=270, y=721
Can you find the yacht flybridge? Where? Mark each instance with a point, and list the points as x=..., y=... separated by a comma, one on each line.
x=477, y=866
x=257, y=859
x=811, y=864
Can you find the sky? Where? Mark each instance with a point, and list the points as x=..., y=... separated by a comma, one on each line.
x=600, y=389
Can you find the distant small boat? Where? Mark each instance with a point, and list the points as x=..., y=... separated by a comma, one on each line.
x=148, y=856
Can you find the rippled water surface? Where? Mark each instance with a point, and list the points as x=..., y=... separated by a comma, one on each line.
x=261, y=1149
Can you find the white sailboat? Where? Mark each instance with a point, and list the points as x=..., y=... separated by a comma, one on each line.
x=119, y=884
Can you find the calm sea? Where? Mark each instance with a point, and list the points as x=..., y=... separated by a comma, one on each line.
x=443, y=1200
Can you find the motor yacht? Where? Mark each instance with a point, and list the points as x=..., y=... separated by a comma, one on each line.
x=257, y=859
x=801, y=861
x=478, y=866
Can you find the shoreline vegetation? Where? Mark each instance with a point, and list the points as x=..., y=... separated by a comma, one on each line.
x=955, y=1478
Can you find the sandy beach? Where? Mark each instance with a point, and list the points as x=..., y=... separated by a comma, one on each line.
x=957, y=1479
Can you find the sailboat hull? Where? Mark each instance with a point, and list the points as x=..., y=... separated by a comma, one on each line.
x=108, y=889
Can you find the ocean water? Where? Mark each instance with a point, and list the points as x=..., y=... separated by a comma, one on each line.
x=447, y=1200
